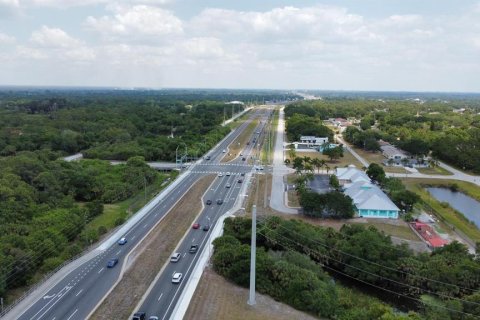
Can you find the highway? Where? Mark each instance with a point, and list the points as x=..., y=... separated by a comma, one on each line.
x=163, y=295
x=79, y=291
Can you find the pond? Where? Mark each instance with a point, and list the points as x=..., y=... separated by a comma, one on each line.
x=464, y=204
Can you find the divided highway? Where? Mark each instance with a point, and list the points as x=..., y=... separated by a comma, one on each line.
x=77, y=294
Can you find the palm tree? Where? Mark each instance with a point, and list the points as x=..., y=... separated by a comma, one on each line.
x=327, y=167
x=317, y=163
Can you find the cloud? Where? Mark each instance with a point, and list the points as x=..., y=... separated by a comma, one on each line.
x=6, y=39
x=9, y=8
x=136, y=21
x=53, y=37
x=84, y=3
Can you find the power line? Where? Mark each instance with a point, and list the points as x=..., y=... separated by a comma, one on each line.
x=383, y=277
x=372, y=262
x=373, y=285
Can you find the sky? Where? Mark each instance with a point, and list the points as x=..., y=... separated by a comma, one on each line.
x=373, y=45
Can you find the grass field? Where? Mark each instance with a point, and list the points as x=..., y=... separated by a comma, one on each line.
x=435, y=170
x=269, y=145
x=347, y=159
x=447, y=214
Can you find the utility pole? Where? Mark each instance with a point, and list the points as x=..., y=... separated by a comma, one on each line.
x=251, y=299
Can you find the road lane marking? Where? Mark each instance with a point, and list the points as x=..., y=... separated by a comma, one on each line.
x=118, y=252
x=79, y=292
x=133, y=237
x=101, y=270
x=193, y=240
x=146, y=225
x=72, y=314
x=160, y=296
x=184, y=254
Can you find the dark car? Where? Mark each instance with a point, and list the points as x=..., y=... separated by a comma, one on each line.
x=206, y=227
x=209, y=202
x=243, y=159
x=139, y=316
x=219, y=201
x=193, y=248
x=240, y=180
x=242, y=174
x=207, y=158
x=112, y=263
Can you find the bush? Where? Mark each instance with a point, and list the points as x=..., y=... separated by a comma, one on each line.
x=102, y=230
x=119, y=221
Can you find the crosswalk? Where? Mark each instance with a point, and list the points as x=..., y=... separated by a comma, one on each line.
x=225, y=164
x=216, y=172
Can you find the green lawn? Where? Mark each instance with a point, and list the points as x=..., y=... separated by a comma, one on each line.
x=347, y=159
x=435, y=170
x=269, y=144
x=403, y=232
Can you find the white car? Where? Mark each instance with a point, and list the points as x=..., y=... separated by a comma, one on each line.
x=175, y=257
x=228, y=174
x=122, y=241
x=220, y=174
x=224, y=151
x=177, y=277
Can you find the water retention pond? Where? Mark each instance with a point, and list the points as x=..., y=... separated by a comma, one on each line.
x=464, y=204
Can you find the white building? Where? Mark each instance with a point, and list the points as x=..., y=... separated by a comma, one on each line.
x=369, y=200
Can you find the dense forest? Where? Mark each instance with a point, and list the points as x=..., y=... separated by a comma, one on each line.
x=305, y=265
x=450, y=130
x=46, y=203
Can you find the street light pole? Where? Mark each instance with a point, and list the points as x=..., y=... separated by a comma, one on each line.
x=253, y=252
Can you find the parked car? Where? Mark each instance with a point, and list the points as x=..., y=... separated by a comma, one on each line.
x=209, y=202
x=193, y=248
x=177, y=277
x=139, y=316
x=196, y=225
x=122, y=241
x=219, y=201
x=112, y=263
x=175, y=257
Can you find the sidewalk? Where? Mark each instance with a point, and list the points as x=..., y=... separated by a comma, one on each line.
x=277, y=197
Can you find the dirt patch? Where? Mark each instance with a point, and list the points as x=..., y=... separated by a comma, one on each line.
x=145, y=266
x=239, y=143
x=216, y=298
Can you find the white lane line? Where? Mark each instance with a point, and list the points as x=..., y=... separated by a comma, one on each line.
x=193, y=240
x=118, y=252
x=160, y=296
x=184, y=254
x=101, y=270
x=146, y=225
x=79, y=292
x=72, y=314
x=133, y=237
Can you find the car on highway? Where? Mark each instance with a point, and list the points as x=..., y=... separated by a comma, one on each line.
x=139, y=316
x=219, y=201
x=248, y=143
x=112, y=263
x=196, y=225
x=242, y=174
x=228, y=185
x=207, y=158
x=243, y=159
x=228, y=174
x=175, y=257
x=224, y=151
x=206, y=227
x=208, y=202
x=177, y=277
x=193, y=248
x=220, y=174
x=241, y=154
x=153, y=318
x=122, y=241
x=240, y=181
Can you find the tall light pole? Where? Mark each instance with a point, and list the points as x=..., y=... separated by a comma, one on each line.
x=253, y=252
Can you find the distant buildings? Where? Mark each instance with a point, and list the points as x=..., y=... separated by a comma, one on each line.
x=397, y=157
x=369, y=200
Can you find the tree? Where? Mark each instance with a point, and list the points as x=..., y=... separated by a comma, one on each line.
x=334, y=153
x=376, y=172
x=334, y=183
x=298, y=165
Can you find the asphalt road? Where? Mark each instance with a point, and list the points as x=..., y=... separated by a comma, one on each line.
x=160, y=301
x=77, y=294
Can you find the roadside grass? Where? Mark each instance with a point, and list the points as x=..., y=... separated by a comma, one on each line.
x=347, y=159
x=237, y=122
x=395, y=169
x=239, y=143
x=269, y=144
x=434, y=170
x=143, y=266
x=452, y=218
x=121, y=211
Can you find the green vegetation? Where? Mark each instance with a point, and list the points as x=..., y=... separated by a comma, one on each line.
x=303, y=125
x=293, y=258
x=270, y=138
